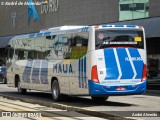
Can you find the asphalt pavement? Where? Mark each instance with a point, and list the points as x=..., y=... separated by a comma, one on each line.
x=125, y=106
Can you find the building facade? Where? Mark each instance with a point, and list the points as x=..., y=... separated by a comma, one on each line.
x=17, y=18
x=54, y=13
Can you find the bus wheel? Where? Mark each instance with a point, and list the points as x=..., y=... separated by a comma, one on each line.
x=56, y=91
x=4, y=82
x=21, y=90
x=99, y=98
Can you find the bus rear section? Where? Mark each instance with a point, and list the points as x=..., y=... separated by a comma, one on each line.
x=120, y=66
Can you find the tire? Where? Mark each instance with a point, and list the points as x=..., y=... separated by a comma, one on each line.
x=56, y=91
x=5, y=80
x=2, y=79
x=94, y=98
x=19, y=89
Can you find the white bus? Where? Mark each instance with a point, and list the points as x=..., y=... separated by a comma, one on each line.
x=97, y=61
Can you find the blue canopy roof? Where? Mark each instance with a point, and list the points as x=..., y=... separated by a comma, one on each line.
x=4, y=41
x=151, y=25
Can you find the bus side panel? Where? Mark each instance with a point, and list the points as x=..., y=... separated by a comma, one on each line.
x=77, y=76
x=54, y=72
x=23, y=71
x=10, y=74
x=16, y=69
x=10, y=77
x=39, y=75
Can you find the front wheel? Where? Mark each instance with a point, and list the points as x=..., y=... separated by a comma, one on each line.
x=21, y=90
x=56, y=91
x=4, y=81
x=95, y=98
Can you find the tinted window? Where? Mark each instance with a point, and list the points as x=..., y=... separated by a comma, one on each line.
x=10, y=52
x=132, y=7
x=67, y=46
x=79, y=45
x=119, y=38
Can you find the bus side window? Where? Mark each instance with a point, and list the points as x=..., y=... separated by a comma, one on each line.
x=10, y=51
x=67, y=46
x=20, y=55
x=79, y=45
x=30, y=54
x=40, y=47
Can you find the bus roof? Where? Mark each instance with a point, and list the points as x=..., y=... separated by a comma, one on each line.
x=53, y=30
x=64, y=29
x=119, y=26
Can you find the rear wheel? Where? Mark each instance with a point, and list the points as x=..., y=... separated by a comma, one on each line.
x=5, y=80
x=19, y=87
x=2, y=79
x=56, y=91
x=95, y=98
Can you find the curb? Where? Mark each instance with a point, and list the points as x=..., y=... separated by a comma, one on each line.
x=71, y=108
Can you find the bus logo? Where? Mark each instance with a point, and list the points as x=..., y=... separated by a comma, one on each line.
x=133, y=59
x=32, y=12
x=63, y=68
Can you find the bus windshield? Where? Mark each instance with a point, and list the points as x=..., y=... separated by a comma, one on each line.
x=119, y=38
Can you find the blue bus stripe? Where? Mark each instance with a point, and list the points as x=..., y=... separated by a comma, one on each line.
x=47, y=33
x=85, y=77
x=119, y=26
x=126, y=68
x=32, y=35
x=106, y=26
x=131, y=26
x=44, y=72
x=138, y=64
x=111, y=65
x=27, y=71
x=82, y=71
x=35, y=72
x=39, y=34
x=79, y=69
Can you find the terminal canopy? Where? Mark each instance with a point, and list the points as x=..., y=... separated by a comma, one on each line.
x=4, y=41
x=151, y=25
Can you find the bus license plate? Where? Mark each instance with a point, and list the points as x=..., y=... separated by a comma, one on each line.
x=120, y=88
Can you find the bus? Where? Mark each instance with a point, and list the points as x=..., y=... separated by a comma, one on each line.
x=97, y=61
